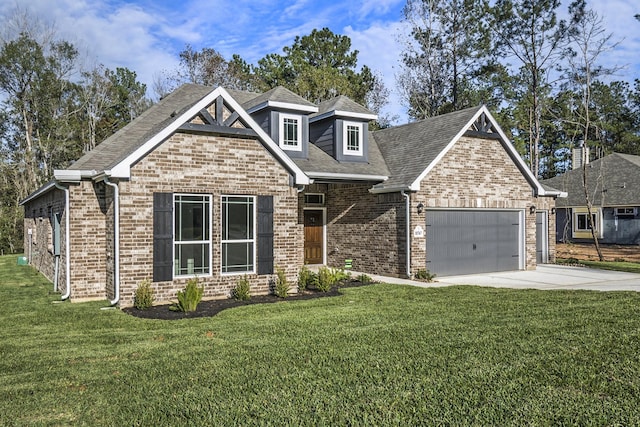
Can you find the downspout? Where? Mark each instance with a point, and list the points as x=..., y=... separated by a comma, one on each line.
x=67, y=245
x=116, y=243
x=408, y=233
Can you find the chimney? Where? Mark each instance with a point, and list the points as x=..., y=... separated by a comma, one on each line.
x=579, y=155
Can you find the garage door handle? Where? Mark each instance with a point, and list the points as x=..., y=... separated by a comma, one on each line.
x=474, y=246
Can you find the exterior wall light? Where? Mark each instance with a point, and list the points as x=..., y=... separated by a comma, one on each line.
x=420, y=208
x=553, y=211
x=532, y=209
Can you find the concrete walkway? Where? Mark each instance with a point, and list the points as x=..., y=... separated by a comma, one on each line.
x=545, y=277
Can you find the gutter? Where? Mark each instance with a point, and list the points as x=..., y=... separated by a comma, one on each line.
x=67, y=244
x=408, y=234
x=116, y=243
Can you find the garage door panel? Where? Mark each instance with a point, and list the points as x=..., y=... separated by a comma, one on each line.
x=465, y=242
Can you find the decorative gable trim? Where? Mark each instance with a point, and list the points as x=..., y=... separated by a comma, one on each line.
x=483, y=124
x=221, y=97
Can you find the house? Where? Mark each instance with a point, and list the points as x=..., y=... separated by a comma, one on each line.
x=613, y=186
x=219, y=184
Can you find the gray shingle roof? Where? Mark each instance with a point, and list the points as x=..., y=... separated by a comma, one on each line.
x=125, y=141
x=613, y=180
x=409, y=149
x=340, y=103
x=277, y=94
x=319, y=161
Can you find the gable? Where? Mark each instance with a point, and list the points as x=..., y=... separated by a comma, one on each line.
x=424, y=145
x=216, y=113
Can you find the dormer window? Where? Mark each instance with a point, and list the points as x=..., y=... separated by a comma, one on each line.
x=352, y=139
x=290, y=132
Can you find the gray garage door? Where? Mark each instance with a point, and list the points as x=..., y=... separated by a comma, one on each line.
x=466, y=242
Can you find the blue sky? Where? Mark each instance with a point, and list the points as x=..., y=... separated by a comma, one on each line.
x=146, y=35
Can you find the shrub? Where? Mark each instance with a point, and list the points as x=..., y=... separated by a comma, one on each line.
x=282, y=286
x=364, y=279
x=424, y=274
x=339, y=275
x=242, y=291
x=326, y=279
x=190, y=297
x=304, y=278
x=143, y=297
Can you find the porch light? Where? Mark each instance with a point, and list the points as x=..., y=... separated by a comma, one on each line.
x=532, y=209
x=420, y=208
x=553, y=211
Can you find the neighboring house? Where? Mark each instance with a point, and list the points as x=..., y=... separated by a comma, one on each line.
x=613, y=185
x=219, y=184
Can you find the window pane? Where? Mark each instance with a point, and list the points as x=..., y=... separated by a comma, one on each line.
x=353, y=138
x=237, y=257
x=192, y=258
x=191, y=224
x=582, y=222
x=237, y=218
x=290, y=132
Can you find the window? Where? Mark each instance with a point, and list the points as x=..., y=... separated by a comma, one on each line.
x=625, y=211
x=192, y=234
x=290, y=132
x=314, y=199
x=352, y=139
x=238, y=234
x=582, y=222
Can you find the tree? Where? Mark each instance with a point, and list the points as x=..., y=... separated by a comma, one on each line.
x=588, y=41
x=206, y=67
x=528, y=31
x=448, y=52
x=318, y=66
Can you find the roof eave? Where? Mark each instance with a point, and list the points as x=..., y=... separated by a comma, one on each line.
x=340, y=113
x=346, y=176
x=284, y=106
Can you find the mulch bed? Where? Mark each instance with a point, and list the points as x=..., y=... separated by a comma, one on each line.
x=210, y=308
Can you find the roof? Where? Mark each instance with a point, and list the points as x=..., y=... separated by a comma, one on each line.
x=125, y=141
x=117, y=153
x=319, y=164
x=342, y=106
x=279, y=97
x=613, y=180
x=422, y=142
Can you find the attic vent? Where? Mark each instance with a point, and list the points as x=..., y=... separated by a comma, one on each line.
x=173, y=113
x=315, y=199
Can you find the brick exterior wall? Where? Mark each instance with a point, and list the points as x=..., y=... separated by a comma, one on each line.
x=364, y=227
x=39, y=248
x=476, y=173
x=214, y=165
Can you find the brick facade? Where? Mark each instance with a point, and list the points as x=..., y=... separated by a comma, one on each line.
x=214, y=165
x=370, y=228
x=364, y=227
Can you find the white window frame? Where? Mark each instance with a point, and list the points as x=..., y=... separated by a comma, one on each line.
x=320, y=197
x=345, y=139
x=282, y=143
x=208, y=242
x=625, y=211
x=595, y=215
x=252, y=240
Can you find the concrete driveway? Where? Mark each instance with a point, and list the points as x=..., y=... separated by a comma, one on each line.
x=545, y=277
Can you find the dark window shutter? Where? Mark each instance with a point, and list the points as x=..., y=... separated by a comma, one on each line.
x=265, y=234
x=162, y=237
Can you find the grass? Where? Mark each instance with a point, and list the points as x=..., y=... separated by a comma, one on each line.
x=378, y=355
x=630, y=267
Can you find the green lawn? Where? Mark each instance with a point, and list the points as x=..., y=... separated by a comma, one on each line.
x=630, y=267
x=378, y=355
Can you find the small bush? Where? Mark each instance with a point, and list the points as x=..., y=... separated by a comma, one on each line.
x=190, y=297
x=143, y=298
x=305, y=278
x=339, y=275
x=364, y=279
x=620, y=260
x=326, y=279
x=242, y=291
x=424, y=274
x=282, y=286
